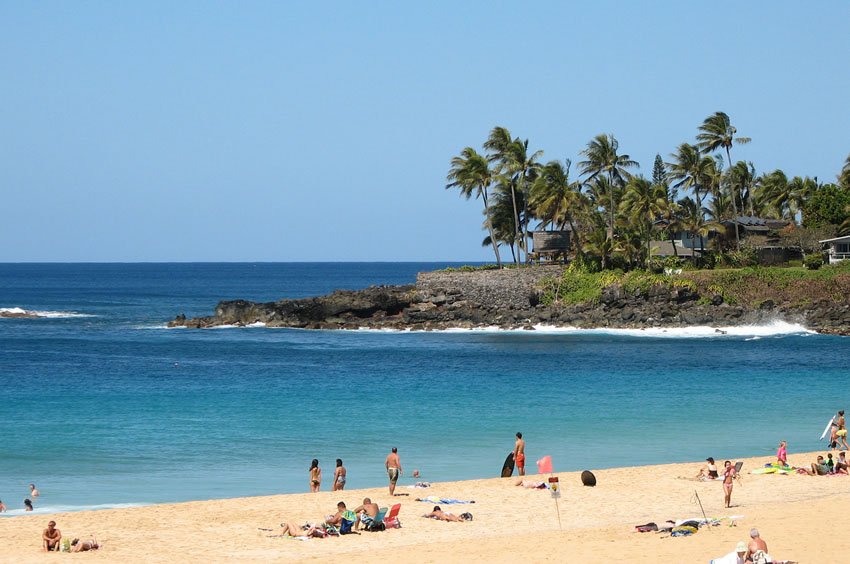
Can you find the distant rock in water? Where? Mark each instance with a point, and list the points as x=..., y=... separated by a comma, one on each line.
x=512, y=299
x=588, y=479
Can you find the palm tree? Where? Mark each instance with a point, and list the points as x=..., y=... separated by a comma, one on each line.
x=513, y=161
x=602, y=158
x=717, y=132
x=670, y=216
x=844, y=177
x=643, y=202
x=693, y=171
x=771, y=193
x=693, y=221
x=470, y=172
x=799, y=190
x=502, y=217
x=556, y=200
x=742, y=180
x=602, y=245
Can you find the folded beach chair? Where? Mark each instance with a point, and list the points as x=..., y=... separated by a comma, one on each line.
x=738, y=466
x=391, y=520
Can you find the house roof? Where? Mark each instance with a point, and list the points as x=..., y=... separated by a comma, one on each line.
x=752, y=223
x=844, y=239
x=665, y=249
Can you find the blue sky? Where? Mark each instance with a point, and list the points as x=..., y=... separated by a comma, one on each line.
x=288, y=131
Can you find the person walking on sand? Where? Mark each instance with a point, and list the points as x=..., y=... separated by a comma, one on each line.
x=393, y=466
x=51, y=537
x=728, y=475
x=841, y=431
x=519, y=454
x=339, y=476
x=315, y=476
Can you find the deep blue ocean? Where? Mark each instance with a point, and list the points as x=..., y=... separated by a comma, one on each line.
x=101, y=405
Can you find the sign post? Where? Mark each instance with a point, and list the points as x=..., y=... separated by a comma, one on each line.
x=555, y=488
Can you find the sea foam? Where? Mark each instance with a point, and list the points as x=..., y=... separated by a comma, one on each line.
x=41, y=313
x=774, y=329
x=38, y=510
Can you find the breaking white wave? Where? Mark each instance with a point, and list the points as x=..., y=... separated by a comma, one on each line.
x=250, y=325
x=42, y=509
x=773, y=329
x=14, y=312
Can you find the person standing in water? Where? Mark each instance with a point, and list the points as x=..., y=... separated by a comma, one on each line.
x=315, y=476
x=393, y=466
x=519, y=454
x=33, y=491
x=28, y=505
x=339, y=475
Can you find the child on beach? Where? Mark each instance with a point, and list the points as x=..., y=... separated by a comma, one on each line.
x=339, y=476
x=782, y=454
x=315, y=476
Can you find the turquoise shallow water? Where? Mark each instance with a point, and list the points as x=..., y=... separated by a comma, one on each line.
x=114, y=409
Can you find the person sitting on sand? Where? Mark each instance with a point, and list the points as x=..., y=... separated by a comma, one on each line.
x=82, y=546
x=819, y=468
x=441, y=515
x=841, y=466
x=366, y=513
x=51, y=537
x=33, y=491
x=830, y=463
x=756, y=544
x=782, y=454
x=709, y=471
x=339, y=476
x=27, y=505
x=336, y=518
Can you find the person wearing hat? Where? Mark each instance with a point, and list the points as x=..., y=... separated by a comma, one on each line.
x=739, y=556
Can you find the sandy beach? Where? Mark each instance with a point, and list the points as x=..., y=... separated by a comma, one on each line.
x=794, y=514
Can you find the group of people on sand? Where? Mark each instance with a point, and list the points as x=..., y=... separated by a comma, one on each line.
x=363, y=516
x=754, y=552
x=392, y=465
x=34, y=493
x=826, y=466
x=51, y=541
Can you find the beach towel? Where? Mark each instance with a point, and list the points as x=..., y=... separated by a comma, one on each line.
x=443, y=500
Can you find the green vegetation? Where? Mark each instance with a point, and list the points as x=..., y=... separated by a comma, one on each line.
x=745, y=286
x=614, y=214
x=470, y=268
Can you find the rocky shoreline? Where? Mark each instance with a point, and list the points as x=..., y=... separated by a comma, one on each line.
x=509, y=299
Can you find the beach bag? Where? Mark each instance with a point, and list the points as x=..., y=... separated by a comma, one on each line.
x=466, y=516
x=345, y=527
x=588, y=479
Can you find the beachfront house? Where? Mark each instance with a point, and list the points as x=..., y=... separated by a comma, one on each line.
x=838, y=248
x=550, y=245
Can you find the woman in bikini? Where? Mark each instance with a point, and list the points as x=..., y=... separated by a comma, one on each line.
x=82, y=546
x=339, y=475
x=315, y=476
x=728, y=474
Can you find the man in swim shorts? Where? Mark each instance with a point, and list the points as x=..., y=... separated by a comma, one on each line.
x=519, y=454
x=393, y=466
x=366, y=513
x=51, y=537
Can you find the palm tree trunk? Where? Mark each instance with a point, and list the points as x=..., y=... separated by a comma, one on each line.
x=516, y=223
x=611, y=214
x=732, y=191
x=490, y=229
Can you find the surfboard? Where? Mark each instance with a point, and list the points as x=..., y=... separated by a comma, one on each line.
x=508, y=467
x=826, y=429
